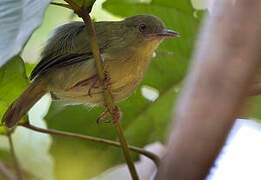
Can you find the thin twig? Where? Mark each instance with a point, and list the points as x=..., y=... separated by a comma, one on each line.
x=6, y=173
x=146, y=153
x=62, y=5
x=16, y=164
x=84, y=14
x=75, y=7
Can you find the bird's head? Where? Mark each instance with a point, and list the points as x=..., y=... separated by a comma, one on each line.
x=136, y=33
x=147, y=27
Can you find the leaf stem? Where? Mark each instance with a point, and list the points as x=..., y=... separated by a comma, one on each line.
x=6, y=173
x=142, y=151
x=16, y=164
x=62, y=5
x=107, y=93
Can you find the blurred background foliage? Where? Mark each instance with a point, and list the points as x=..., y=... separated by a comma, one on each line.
x=145, y=115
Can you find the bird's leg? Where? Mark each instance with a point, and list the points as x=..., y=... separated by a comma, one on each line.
x=83, y=82
x=95, y=84
x=115, y=117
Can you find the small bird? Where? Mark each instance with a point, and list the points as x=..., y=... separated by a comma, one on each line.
x=67, y=68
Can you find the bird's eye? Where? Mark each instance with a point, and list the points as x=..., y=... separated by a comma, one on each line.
x=142, y=27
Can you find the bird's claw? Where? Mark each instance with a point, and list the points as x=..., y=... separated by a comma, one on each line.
x=107, y=80
x=115, y=117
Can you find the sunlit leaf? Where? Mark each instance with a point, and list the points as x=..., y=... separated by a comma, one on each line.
x=13, y=81
x=18, y=19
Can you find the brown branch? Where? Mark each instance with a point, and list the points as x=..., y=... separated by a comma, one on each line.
x=142, y=151
x=6, y=173
x=255, y=90
x=16, y=164
x=74, y=6
x=84, y=3
x=224, y=67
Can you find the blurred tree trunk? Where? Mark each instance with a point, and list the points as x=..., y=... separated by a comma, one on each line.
x=223, y=68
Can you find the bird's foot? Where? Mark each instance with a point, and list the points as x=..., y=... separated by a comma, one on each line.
x=94, y=86
x=115, y=117
x=97, y=83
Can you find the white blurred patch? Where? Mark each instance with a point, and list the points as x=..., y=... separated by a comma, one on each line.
x=154, y=54
x=149, y=93
x=145, y=167
x=240, y=159
x=32, y=148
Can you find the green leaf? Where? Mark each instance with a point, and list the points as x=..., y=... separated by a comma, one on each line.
x=253, y=109
x=18, y=19
x=184, y=6
x=13, y=82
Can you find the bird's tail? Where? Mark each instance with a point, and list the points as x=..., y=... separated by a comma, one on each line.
x=24, y=103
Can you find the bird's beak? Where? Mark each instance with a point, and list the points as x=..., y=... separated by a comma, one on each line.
x=168, y=34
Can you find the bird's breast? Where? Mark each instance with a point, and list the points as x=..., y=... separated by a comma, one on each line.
x=126, y=74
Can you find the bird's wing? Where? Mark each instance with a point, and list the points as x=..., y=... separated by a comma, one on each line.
x=58, y=61
x=67, y=46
